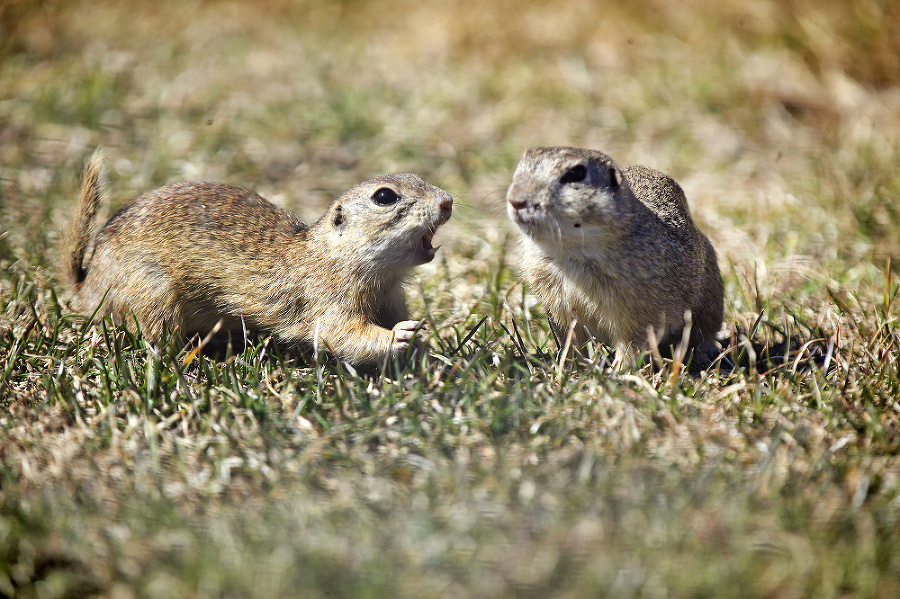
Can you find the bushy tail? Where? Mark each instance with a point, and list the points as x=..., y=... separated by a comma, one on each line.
x=80, y=233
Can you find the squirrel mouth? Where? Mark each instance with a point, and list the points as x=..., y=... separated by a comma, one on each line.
x=526, y=218
x=425, y=248
x=522, y=213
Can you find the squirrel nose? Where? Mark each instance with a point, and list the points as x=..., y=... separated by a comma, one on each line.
x=518, y=194
x=516, y=203
x=446, y=206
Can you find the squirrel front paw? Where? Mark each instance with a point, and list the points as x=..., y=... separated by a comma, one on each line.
x=404, y=333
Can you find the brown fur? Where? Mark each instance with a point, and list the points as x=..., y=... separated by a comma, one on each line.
x=617, y=250
x=184, y=256
x=79, y=235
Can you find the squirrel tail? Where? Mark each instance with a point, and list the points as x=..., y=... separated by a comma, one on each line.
x=80, y=233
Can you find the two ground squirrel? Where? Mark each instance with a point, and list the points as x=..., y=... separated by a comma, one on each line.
x=184, y=256
x=612, y=250
x=615, y=249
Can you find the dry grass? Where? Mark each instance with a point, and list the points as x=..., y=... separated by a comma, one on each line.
x=488, y=472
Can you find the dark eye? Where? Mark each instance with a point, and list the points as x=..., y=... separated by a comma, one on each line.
x=385, y=196
x=576, y=174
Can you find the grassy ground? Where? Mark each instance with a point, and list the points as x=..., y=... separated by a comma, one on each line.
x=491, y=471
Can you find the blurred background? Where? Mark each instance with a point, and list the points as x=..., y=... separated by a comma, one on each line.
x=780, y=119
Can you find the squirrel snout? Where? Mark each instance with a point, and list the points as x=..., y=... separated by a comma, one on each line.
x=517, y=203
x=445, y=206
x=519, y=193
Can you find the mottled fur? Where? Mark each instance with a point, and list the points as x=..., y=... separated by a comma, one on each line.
x=614, y=248
x=184, y=256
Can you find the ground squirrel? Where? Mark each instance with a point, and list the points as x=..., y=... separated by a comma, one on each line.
x=184, y=256
x=614, y=248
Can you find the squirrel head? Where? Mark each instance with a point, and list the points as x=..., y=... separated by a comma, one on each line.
x=569, y=198
x=387, y=222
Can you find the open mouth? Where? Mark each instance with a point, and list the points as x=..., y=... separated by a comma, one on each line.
x=425, y=247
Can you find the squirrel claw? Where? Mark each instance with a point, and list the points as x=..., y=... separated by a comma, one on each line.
x=405, y=330
x=405, y=336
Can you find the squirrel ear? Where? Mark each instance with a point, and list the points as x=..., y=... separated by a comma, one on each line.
x=338, y=219
x=615, y=176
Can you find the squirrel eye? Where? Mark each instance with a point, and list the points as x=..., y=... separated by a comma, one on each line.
x=576, y=174
x=385, y=196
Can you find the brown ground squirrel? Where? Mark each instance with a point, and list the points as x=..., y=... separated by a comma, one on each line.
x=184, y=256
x=615, y=249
